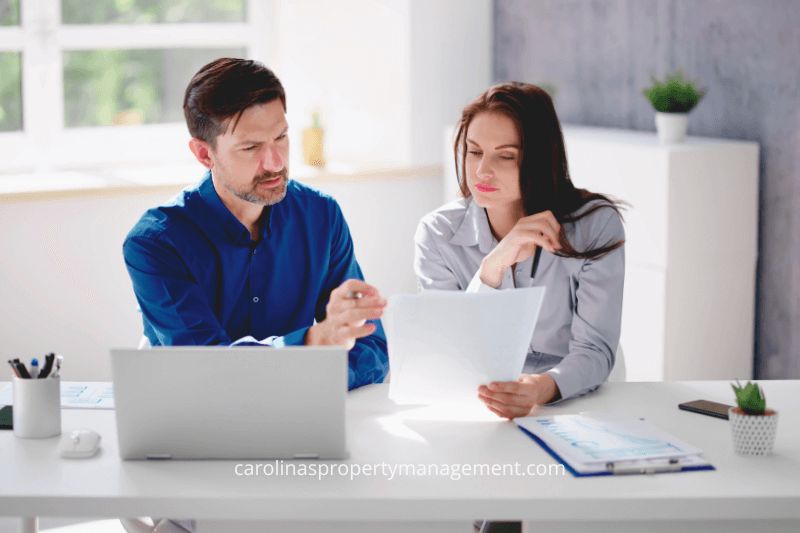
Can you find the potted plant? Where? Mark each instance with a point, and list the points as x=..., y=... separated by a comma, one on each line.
x=672, y=99
x=753, y=426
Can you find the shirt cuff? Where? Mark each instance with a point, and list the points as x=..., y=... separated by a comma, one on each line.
x=295, y=338
x=568, y=382
x=564, y=381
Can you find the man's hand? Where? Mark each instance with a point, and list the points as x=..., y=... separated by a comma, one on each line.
x=510, y=399
x=346, y=315
x=541, y=229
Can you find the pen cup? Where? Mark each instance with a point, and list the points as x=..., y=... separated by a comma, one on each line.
x=37, y=407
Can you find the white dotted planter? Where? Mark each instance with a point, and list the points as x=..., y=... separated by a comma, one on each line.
x=753, y=434
x=671, y=127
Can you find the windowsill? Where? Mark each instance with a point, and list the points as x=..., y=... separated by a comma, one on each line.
x=173, y=177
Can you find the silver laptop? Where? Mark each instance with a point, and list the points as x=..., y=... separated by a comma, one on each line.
x=230, y=403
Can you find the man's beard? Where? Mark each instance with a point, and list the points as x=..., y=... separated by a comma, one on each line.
x=264, y=197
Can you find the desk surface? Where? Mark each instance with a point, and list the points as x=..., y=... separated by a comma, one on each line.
x=35, y=481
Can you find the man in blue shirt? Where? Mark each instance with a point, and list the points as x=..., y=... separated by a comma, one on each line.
x=248, y=256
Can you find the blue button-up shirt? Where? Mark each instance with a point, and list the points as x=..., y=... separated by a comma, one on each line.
x=200, y=279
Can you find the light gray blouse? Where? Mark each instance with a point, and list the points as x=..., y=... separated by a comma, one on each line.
x=577, y=334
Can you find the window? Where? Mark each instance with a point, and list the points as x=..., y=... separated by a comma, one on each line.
x=9, y=12
x=101, y=82
x=10, y=72
x=118, y=87
x=151, y=11
x=10, y=92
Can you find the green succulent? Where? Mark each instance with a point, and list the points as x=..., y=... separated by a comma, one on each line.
x=750, y=398
x=675, y=94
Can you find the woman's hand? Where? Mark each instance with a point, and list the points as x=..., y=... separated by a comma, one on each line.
x=510, y=399
x=541, y=229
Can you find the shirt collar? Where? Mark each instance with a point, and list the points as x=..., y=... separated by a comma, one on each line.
x=474, y=229
x=231, y=227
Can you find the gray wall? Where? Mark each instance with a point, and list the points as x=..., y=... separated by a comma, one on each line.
x=600, y=53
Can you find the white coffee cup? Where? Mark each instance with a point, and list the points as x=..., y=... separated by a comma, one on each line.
x=37, y=407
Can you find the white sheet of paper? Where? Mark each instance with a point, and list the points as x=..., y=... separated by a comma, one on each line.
x=444, y=344
x=74, y=394
x=87, y=395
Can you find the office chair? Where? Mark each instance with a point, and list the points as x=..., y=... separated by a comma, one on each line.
x=618, y=373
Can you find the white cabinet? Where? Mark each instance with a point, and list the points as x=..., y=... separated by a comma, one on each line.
x=691, y=248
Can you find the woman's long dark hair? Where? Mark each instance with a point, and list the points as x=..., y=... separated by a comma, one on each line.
x=543, y=174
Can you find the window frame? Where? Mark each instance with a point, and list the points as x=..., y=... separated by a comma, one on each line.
x=44, y=144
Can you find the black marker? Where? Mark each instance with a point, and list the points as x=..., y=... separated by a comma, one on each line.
x=48, y=365
x=22, y=372
x=536, y=255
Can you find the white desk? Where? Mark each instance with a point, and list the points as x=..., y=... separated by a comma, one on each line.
x=34, y=481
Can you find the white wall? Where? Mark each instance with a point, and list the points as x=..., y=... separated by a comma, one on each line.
x=386, y=75
x=350, y=60
x=451, y=64
x=63, y=284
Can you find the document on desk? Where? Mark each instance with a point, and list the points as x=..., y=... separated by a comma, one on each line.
x=444, y=344
x=597, y=444
x=74, y=395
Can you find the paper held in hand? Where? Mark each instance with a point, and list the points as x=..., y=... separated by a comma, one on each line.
x=444, y=344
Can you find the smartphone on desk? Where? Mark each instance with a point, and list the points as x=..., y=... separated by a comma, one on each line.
x=706, y=407
x=6, y=417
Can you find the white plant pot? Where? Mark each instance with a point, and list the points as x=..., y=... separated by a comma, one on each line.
x=753, y=434
x=671, y=127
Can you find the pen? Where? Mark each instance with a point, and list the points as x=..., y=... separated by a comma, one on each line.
x=22, y=372
x=14, y=368
x=48, y=365
x=34, y=372
x=536, y=255
x=57, y=373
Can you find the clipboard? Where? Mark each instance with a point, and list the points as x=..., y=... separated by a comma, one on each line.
x=569, y=468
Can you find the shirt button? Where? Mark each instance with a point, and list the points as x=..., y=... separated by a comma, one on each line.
x=255, y=300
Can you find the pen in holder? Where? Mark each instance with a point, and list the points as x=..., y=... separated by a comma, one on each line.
x=37, y=407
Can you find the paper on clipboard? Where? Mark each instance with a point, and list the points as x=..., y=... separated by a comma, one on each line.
x=444, y=344
x=588, y=442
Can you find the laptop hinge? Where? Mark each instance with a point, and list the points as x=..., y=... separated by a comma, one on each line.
x=158, y=456
x=306, y=456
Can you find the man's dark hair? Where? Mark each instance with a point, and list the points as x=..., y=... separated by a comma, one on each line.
x=222, y=90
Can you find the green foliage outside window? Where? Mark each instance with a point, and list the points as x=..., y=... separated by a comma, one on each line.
x=10, y=92
x=9, y=12
x=151, y=11
x=129, y=87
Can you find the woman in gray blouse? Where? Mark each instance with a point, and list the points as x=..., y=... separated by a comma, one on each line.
x=522, y=223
